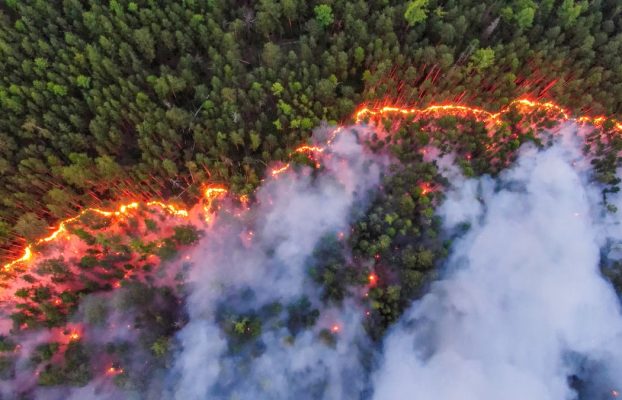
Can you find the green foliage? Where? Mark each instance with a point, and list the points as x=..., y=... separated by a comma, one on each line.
x=185, y=235
x=416, y=12
x=6, y=344
x=482, y=58
x=160, y=347
x=243, y=329
x=95, y=311
x=159, y=97
x=324, y=15
x=152, y=98
x=151, y=225
x=521, y=12
x=74, y=371
x=569, y=11
x=301, y=315
x=83, y=81
x=88, y=261
x=44, y=352
x=277, y=88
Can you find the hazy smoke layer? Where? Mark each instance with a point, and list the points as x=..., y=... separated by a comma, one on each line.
x=523, y=312
x=268, y=264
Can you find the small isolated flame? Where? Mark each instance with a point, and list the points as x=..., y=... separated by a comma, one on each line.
x=425, y=188
x=73, y=336
x=335, y=328
x=309, y=149
x=615, y=393
x=114, y=371
x=373, y=279
x=210, y=194
x=279, y=171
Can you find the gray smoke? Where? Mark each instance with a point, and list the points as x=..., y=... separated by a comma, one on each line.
x=523, y=311
x=293, y=214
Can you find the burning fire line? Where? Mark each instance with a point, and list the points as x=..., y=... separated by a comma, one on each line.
x=210, y=194
x=213, y=192
x=479, y=113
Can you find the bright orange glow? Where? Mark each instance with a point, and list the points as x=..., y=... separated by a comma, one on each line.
x=213, y=192
x=425, y=188
x=460, y=110
x=73, y=336
x=480, y=114
x=210, y=194
x=278, y=171
x=302, y=149
x=373, y=279
x=306, y=148
x=335, y=328
x=114, y=371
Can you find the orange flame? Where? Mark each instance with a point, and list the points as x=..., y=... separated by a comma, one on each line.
x=124, y=209
x=210, y=194
x=213, y=192
x=114, y=371
x=464, y=110
x=279, y=171
x=306, y=148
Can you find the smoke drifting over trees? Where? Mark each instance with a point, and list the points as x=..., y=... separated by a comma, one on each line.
x=237, y=282
x=520, y=309
x=523, y=311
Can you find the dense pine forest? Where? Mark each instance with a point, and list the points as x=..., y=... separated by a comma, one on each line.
x=119, y=114
x=102, y=100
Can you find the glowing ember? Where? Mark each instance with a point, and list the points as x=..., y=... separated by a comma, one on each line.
x=373, y=279
x=210, y=194
x=305, y=148
x=335, y=328
x=425, y=188
x=114, y=371
x=279, y=171
x=73, y=336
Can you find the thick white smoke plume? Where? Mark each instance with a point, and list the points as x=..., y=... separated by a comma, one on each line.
x=293, y=214
x=523, y=312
